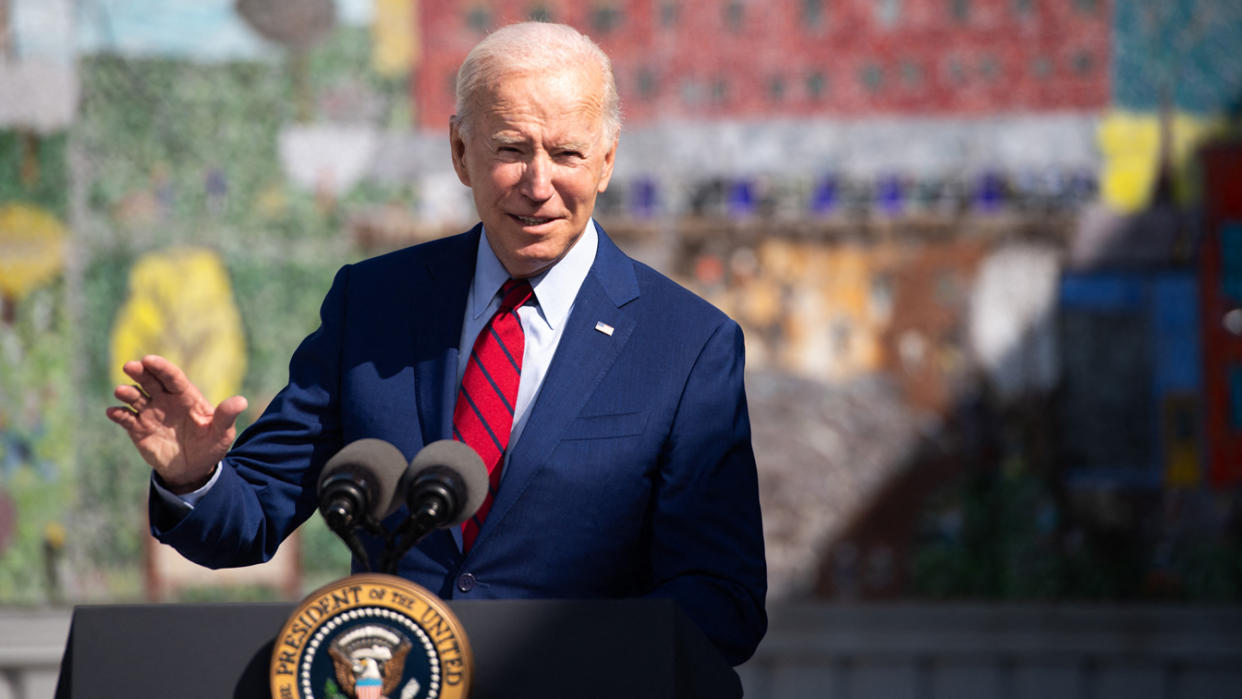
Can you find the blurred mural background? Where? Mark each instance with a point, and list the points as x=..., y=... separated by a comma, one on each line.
x=987, y=254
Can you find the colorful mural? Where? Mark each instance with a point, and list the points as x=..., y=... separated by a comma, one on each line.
x=937, y=222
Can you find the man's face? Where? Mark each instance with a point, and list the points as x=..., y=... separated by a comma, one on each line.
x=535, y=158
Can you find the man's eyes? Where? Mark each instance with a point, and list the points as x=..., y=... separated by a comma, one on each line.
x=565, y=154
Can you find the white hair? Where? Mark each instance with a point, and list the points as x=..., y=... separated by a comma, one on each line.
x=538, y=47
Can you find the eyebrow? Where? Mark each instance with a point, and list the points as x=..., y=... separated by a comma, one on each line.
x=508, y=139
x=580, y=146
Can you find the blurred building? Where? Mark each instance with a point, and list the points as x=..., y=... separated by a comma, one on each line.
x=909, y=95
x=714, y=59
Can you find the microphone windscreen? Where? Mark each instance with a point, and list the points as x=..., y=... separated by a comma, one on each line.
x=377, y=462
x=463, y=460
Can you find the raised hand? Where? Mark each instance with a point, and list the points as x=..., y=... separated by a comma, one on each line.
x=173, y=426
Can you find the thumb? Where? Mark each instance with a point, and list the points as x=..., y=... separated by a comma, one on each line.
x=227, y=412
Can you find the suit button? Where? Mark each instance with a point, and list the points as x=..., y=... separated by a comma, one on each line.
x=465, y=582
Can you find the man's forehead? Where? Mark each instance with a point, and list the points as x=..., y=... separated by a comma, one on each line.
x=505, y=114
x=580, y=83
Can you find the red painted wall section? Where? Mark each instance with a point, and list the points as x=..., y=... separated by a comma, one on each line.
x=782, y=58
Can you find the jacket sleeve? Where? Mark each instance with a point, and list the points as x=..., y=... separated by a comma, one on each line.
x=707, y=547
x=268, y=481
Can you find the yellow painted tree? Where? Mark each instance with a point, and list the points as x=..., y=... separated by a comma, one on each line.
x=31, y=251
x=181, y=306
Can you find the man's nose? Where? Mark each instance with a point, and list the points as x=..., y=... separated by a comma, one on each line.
x=536, y=181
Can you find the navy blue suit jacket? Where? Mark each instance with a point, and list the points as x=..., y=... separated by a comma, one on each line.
x=634, y=476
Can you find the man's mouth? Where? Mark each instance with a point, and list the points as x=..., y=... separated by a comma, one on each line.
x=531, y=220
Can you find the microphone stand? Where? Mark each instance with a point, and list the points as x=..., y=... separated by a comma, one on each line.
x=435, y=498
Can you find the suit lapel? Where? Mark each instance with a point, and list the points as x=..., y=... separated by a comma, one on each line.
x=438, y=304
x=582, y=358
x=437, y=320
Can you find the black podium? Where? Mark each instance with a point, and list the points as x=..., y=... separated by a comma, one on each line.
x=522, y=648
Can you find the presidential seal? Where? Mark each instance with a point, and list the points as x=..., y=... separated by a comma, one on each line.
x=371, y=637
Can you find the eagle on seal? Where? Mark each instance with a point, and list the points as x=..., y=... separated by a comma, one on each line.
x=369, y=662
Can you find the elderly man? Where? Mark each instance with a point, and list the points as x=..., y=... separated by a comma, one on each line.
x=606, y=401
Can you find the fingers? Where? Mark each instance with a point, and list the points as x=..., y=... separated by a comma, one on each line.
x=131, y=395
x=169, y=376
x=124, y=417
x=155, y=380
x=227, y=412
x=155, y=373
x=136, y=396
x=143, y=379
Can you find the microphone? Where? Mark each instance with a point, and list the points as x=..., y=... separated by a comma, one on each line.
x=443, y=487
x=357, y=489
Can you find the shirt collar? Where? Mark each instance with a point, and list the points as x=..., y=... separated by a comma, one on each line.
x=555, y=289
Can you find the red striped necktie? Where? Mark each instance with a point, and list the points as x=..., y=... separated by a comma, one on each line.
x=483, y=417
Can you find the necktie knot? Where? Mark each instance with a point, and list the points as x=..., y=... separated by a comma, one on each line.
x=514, y=293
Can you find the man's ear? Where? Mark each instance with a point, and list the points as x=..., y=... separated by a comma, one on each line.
x=457, y=147
x=610, y=158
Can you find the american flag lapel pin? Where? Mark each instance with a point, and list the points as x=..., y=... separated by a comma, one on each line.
x=604, y=328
